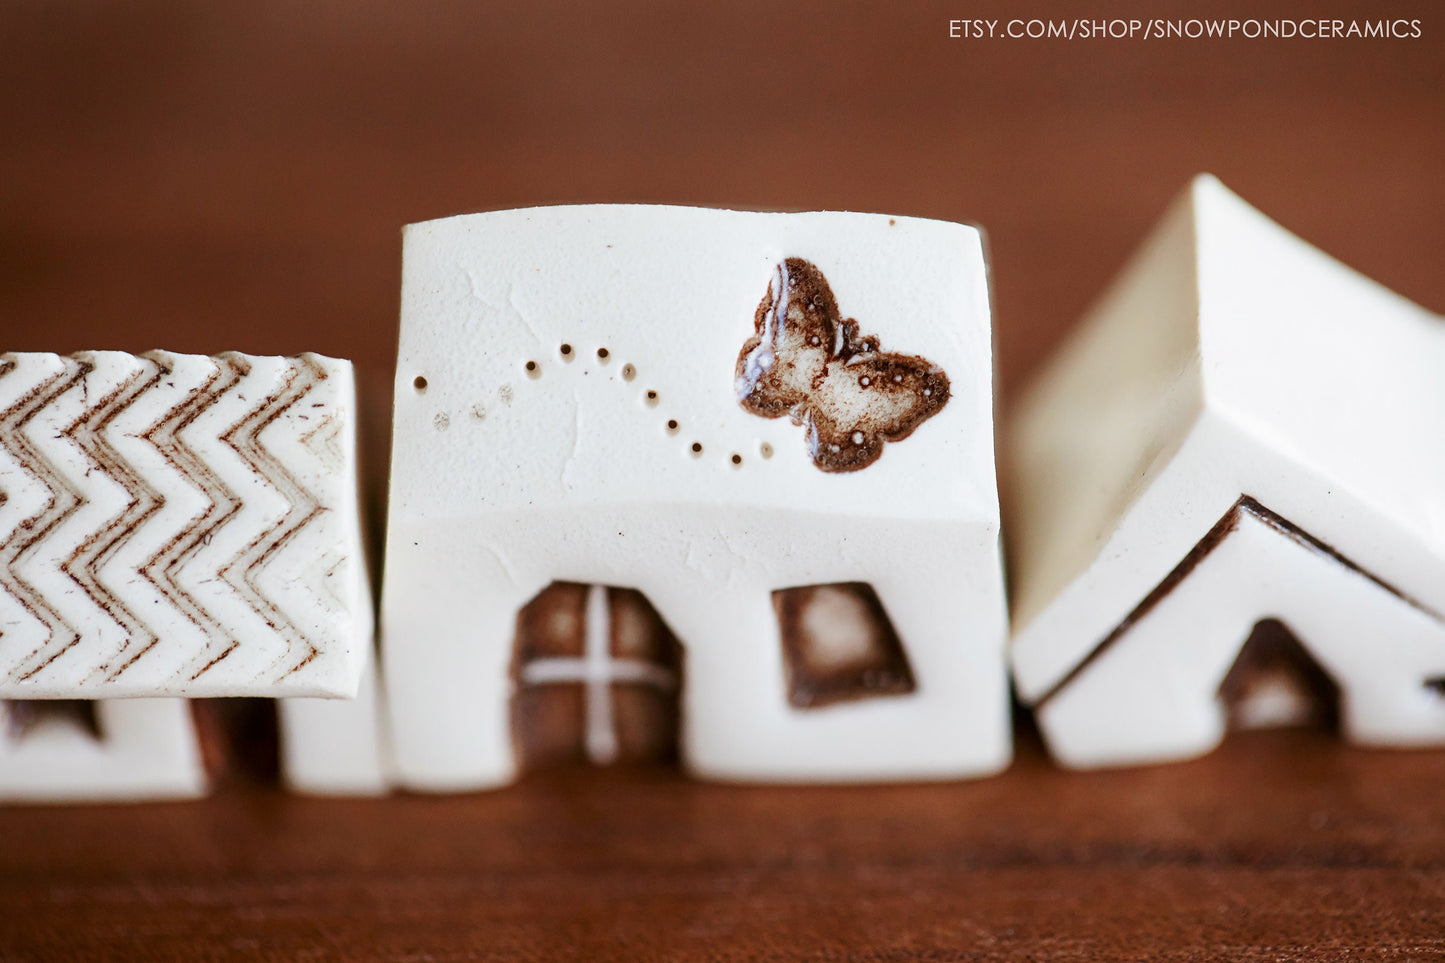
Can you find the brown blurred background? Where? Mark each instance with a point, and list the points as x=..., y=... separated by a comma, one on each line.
x=211, y=176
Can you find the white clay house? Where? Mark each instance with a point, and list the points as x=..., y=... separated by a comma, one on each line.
x=1226, y=502
x=723, y=473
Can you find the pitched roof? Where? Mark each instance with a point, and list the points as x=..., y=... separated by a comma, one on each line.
x=1293, y=375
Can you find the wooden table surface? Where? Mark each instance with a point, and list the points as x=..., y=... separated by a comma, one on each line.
x=1280, y=846
x=203, y=177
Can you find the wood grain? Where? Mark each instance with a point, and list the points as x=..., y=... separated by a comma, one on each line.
x=1281, y=846
x=204, y=177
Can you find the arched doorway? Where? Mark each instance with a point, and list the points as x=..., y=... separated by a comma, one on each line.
x=598, y=679
x=1275, y=683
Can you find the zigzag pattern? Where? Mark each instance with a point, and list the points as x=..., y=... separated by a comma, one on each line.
x=178, y=525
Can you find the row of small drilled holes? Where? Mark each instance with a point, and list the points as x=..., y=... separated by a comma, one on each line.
x=629, y=372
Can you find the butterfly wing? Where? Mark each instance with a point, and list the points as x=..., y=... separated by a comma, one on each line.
x=869, y=398
x=796, y=335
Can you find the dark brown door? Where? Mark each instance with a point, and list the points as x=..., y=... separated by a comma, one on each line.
x=598, y=678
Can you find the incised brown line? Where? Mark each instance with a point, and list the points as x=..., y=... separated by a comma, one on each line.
x=1212, y=540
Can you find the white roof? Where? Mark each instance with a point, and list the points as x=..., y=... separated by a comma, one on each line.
x=1223, y=311
x=670, y=294
x=1322, y=363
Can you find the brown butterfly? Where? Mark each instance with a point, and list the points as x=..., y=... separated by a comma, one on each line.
x=808, y=363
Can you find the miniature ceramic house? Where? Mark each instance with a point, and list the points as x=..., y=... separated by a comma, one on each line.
x=173, y=525
x=767, y=436
x=1226, y=502
x=109, y=750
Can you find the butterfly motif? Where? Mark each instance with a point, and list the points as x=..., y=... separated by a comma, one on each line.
x=807, y=362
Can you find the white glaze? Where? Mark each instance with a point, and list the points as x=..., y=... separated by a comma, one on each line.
x=337, y=747
x=504, y=480
x=146, y=750
x=179, y=525
x=1230, y=359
